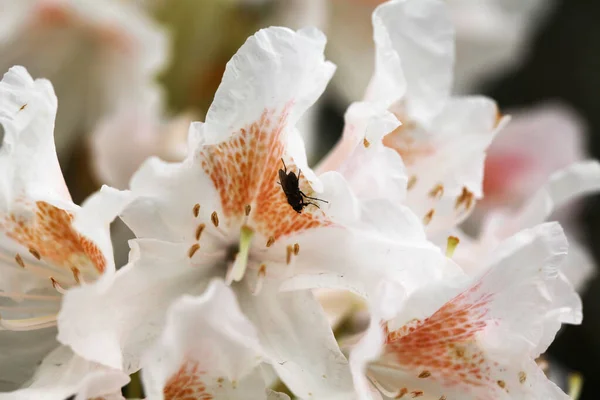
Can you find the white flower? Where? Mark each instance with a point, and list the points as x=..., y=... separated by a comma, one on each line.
x=223, y=212
x=47, y=243
x=442, y=139
x=480, y=338
x=208, y=350
x=98, y=54
x=491, y=37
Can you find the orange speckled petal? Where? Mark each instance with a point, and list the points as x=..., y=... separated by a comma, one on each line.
x=483, y=341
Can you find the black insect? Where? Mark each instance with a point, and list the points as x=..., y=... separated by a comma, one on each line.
x=291, y=188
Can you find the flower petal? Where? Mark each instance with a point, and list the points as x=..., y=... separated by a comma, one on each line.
x=113, y=320
x=276, y=68
x=208, y=348
x=414, y=42
x=296, y=336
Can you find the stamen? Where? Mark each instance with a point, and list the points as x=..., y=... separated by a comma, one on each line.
x=296, y=249
x=241, y=258
x=386, y=392
x=453, y=241
x=412, y=181
x=248, y=209
x=427, y=218
x=199, y=231
x=214, y=217
x=35, y=253
x=195, y=247
x=76, y=274
x=262, y=272
x=575, y=386
x=28, y=324
x=19, y=261
x=57, y=286
x=196, y=210
x=424, y=374
x=437, y=191
x=366, y=143
x=270, y=241
x=288, y=256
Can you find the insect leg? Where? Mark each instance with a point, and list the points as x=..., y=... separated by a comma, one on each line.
x=312, y=198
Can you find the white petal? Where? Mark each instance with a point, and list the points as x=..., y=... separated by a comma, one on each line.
x=63, y=374
x=275, y=69
x=208, y=347
x=414, y=56
x=295, y=334
x=576, y=180
x=115, y=319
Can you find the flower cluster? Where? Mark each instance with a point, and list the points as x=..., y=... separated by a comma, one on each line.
x=246, y=262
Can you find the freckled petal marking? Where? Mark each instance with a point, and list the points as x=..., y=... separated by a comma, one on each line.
x=51, y=236
x=244, y=170
x=187, y=384
x=443, y=347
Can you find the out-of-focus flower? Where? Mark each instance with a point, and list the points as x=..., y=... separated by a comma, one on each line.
x=229, y=210
x=476, y=339
x=564, y=185
x=442, y=139
x=208, y=350
x=491, y=36
x=98, y=54
x=47, y=243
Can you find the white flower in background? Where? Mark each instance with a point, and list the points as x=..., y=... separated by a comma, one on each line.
x=476, y=339
x=98, y=54
x=442, y=139
x=491, y=37
x=563, y=186
x=208, y=350
x=47, y=243
x=223, y=212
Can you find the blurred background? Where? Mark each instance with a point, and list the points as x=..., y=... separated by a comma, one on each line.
x=130, y=76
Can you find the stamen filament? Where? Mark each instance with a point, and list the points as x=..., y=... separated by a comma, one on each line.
x=28, y=324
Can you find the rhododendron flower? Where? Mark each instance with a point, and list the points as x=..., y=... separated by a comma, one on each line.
x=564, y=185
x=208, y=350
x=442, y=139
x=223, y=212
x=98, y=54
x=476, y=339
x=47, y=244
x=491, y=37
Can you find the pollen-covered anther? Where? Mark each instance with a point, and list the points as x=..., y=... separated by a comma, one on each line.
x=199, y=231
x=443, y=397
x=296, y=249
x=196, y=210
x=57, y=286
x=412, y=181
x=437, y=191
x=76, y=274
x=522, y=377
x=417, y=393
x=270, y=241
x=20, y=261
x=366, y=143
x=451, y=244
x=466, y=199
x=214, y=217
x=193, y=249
x=35, y=253
x=425, y=374
x=247, y=209
x=427, y=218
x=501, y=383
